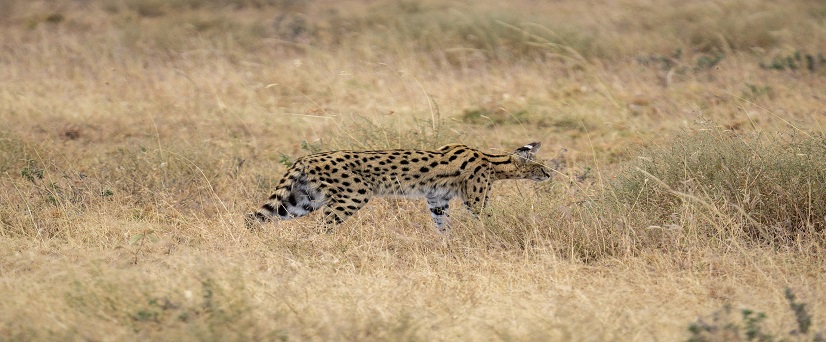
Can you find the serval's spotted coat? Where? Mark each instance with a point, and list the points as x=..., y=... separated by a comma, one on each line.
x=344, y=181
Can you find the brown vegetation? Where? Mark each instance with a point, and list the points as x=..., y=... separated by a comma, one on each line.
x=134, y=135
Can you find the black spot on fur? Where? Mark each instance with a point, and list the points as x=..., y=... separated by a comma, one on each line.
x=446, y=175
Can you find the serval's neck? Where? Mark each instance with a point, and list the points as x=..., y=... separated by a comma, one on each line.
x=503, y=165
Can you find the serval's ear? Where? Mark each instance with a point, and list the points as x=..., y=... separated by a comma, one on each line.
x=528, y=151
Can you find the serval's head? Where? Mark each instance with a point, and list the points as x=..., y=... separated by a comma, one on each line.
x=528, y=166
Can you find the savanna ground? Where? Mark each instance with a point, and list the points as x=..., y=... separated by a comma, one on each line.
x=134, y=135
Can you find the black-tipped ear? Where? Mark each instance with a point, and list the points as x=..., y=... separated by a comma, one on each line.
x=528, y=151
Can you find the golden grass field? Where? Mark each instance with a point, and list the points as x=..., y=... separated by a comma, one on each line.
x=135, y=135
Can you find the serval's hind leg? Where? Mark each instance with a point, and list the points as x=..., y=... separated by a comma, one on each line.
x=439, y=206
x=340, y=207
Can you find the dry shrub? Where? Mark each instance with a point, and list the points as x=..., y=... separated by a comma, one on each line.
x=769, y=188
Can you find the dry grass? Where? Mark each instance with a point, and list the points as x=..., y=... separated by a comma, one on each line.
x=136, y=133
